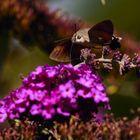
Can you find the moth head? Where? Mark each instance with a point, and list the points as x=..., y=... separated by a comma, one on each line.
x=77, y=38
x=80, y=36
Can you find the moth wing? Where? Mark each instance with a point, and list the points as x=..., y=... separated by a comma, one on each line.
x=103, y=30
x=60, y=54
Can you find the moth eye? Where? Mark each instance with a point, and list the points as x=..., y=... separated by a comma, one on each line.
x=78, y=37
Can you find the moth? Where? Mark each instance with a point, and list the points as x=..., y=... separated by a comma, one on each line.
x=100, y=34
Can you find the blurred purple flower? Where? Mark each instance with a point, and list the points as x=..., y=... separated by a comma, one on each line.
x=3, y=114
x=35, y=109
x=136, y=62
x=48, y=113
x=117, y=56
x=52, y=91
x=106, y=51
x=136, y=59
x=125, y=64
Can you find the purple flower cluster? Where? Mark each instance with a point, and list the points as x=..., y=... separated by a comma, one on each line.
x=136, y=60
x=117, y=56
x=110, y=56
x=52, y=91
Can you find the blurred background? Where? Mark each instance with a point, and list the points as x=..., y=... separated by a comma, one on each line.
x=27, y=28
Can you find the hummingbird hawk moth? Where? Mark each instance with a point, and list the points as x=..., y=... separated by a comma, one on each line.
x=100, y=34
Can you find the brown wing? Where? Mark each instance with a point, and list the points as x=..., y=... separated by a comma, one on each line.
x=60, y=54
x=102, y=30
x=66, y=52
